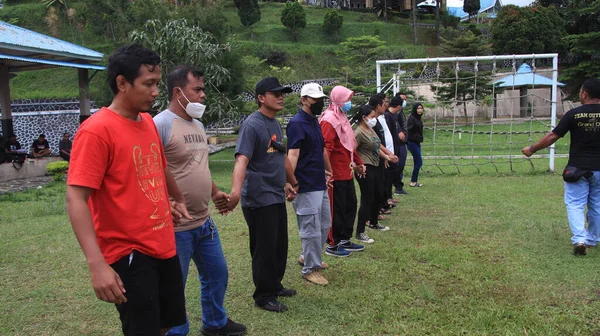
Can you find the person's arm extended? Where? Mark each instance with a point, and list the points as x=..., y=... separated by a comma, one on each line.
x=106, y=282
x=237, y=180
x=220, y=198
x=293, y=155
x=546, y=141
x=178, y=207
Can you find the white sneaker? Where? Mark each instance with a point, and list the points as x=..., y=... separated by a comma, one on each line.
x=364, y=238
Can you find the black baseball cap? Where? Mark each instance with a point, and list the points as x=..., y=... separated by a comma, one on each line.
x=271, y=84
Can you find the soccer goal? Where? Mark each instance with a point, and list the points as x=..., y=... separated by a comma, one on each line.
x=480, y=111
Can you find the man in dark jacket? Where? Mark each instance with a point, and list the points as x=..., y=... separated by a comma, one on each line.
x=394, y=171
x=402, y=151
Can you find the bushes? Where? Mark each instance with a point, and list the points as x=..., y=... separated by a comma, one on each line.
x=57, y=169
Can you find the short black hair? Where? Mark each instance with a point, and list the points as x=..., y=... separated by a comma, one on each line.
x=365, y=110
x=178, y=77
x=66, y=133
x=12, y=136
x=592, y=87
x=42, y=135
x=376, y=99
x=126, y=61
x=400, y=94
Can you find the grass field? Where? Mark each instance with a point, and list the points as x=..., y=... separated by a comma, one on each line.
x=466, y=255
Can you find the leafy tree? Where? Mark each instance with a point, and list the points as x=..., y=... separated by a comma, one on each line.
x=414, y=21
x=472, y=7
x=584, y=47
x=293, y=17
x=360, y=54
x=178, y=42
x=459, y=86
x=523, y=30
x=332, y=23
x=249, y=13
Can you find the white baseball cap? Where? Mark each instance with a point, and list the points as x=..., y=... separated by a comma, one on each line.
x=312, y=90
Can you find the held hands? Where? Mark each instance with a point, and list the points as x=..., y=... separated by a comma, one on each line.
x=221, y=200
x=360, y=170
x=402, y=136
x=179, y=210
x=394, y=158
x=107, y=284
x=232, y=201
x=290, y=192
x=329, y=179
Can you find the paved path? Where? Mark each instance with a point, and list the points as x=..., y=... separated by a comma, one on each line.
x=22, y=184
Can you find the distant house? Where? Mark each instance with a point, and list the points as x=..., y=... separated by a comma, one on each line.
x=491, y=7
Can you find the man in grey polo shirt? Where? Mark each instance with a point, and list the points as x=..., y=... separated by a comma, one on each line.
x=259, y=178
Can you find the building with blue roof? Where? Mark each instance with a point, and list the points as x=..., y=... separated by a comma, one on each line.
x=491, y=7
x=24, y=50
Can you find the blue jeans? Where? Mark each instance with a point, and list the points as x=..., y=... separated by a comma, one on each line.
x=203, y=245
x=577, y=196
x=415, y=149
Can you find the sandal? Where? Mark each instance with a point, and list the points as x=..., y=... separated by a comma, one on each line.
x=415, y=184
x=385, y=211
x=381, y=217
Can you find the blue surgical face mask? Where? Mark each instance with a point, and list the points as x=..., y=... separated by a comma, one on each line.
x=347, y=106
x=404, y=104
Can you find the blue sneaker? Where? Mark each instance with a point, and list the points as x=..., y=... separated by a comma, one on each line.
x=350, y=246
x=337, y=251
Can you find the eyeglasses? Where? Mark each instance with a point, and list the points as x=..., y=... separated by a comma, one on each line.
x=276, y=94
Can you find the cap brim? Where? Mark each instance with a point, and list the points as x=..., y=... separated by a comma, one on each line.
x=317, y=95
x=284, y=89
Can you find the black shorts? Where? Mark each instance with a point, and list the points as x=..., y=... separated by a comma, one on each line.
x=154, y=292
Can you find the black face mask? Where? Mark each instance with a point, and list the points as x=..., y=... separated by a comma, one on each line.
x=317, y=107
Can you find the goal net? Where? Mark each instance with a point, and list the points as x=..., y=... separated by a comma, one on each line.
x=480, y=111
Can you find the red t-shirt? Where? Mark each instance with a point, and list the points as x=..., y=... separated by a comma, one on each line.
x=123, y=161
x=339, y=156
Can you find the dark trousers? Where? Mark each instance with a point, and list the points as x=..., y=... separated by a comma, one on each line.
x=268, y=249
x=389, y=176
x=342, y=198
x=415, y=150
x=371, y=195
x=397, y=180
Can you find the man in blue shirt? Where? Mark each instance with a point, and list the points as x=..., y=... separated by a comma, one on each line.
x=309, y=160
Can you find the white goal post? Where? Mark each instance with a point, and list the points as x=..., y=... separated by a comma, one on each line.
x=393, y=82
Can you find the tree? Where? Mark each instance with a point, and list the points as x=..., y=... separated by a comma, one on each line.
x=178, y=42
x=584, y=47
x=249, y=13
x=360, y=53
x=461, y=86
x=524, y=30
x=437, y=22
x=293, y=17
x=472, y=7
x=332, y=23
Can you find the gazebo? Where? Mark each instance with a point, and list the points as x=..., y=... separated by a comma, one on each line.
x=523, y=79
x=24, y=50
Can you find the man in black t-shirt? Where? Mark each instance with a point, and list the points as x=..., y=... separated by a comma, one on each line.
x=64, y=147
x=584, y=160
x=13, y=150
x=40, y=147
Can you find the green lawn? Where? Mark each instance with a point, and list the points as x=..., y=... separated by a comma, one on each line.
x=466, y=255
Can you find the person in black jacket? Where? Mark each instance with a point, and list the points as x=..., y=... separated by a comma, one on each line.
x=414, y=126
x=402, y=146
x=393, y=173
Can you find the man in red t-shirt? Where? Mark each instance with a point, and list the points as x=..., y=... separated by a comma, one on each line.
x=118, y=201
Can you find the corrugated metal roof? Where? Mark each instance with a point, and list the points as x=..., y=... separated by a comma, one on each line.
x=14, y=37
x=51, y=62
x=525, y=77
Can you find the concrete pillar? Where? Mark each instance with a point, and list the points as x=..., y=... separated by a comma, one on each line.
x=84, y=95
x=523, y=102
x=6, y=121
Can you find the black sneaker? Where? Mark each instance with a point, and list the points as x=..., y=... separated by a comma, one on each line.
x=286, y=292
x=400, y=192
x=230, y=329
x=350, y=246
x=273, y=306
x=579, y=249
